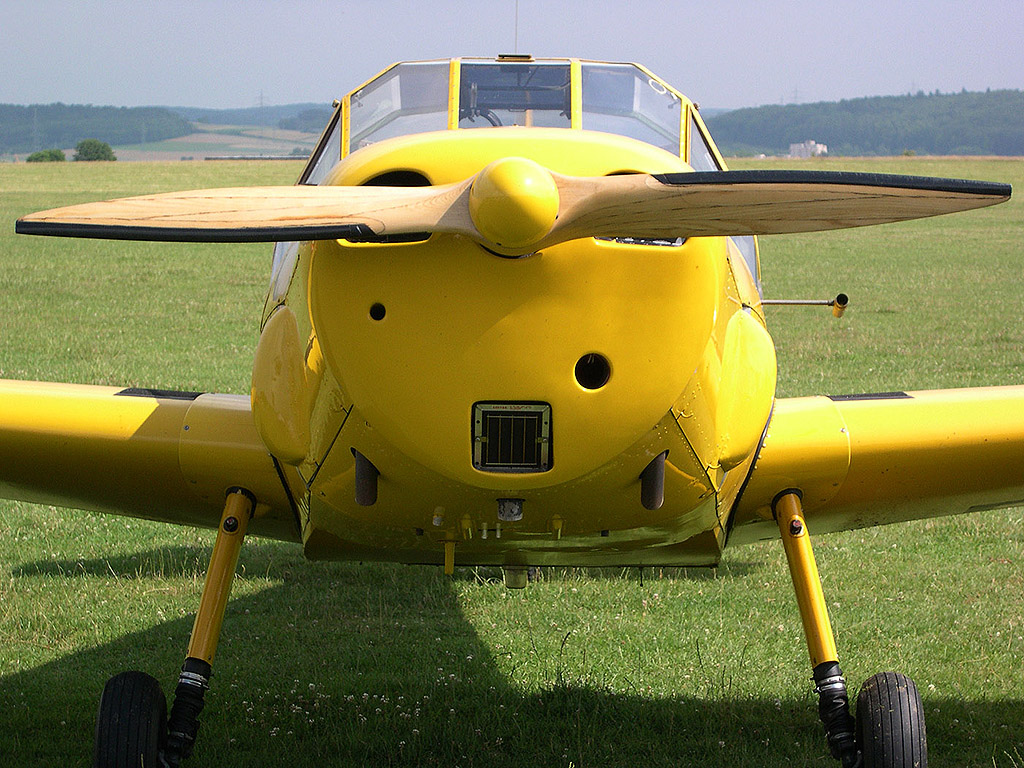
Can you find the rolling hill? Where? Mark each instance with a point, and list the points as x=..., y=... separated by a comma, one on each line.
x=966, y=123
x=41, y=126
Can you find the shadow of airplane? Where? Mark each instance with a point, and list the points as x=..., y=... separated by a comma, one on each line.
x=342, y=664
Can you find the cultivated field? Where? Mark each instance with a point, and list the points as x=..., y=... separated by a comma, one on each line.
x=342, y=664
x=221, y=141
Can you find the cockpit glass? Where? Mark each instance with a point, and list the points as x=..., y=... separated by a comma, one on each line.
x=416, y=97
x=326, y=154
x=515, y=93
x=701, y=156
x=625, y=100
x=408, y=98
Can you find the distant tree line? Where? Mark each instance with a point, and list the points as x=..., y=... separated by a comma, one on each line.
x=307, y=121
x=37, y=127
x=966, y=123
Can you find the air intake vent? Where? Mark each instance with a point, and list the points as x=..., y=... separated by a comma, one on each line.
x=512, y=437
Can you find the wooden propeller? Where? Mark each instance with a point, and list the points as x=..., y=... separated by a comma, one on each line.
x=515, y=206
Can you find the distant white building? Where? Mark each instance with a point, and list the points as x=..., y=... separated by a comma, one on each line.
x=808, y=149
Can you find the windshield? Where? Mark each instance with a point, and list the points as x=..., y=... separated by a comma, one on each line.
x=408, y=98
x=623, y=99
x=418, y=97
x=515, y=93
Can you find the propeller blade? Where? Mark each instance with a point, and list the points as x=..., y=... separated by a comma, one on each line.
x=252, y=214
x=755, y=202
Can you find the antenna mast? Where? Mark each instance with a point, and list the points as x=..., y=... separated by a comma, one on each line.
x=516, y=39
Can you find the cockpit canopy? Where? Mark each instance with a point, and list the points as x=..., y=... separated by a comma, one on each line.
x=460, y=94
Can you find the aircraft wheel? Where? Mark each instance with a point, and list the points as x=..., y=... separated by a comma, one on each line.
x=131, y=727
x=890, y=723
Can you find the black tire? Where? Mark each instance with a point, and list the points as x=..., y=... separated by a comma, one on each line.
x=131, y=726
x=890, y=723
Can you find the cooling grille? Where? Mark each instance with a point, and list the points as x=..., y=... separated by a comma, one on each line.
x=512, y=437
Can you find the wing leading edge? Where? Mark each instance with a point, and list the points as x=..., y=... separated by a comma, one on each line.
x=166, y=456
x=875, y=459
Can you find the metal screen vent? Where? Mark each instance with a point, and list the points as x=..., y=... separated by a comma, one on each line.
x=512, y=437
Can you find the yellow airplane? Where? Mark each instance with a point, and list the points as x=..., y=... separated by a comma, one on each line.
x=515, y=319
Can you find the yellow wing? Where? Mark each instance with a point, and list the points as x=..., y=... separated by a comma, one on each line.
x=168, y=456
x=874, y=459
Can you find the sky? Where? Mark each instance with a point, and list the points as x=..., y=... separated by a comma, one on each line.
x=724, y=54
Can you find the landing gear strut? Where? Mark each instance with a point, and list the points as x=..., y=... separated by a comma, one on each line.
x=889, y=729
x=132, y=729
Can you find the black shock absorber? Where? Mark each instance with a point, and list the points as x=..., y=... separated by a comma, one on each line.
x=183, y=723
x=834, y=711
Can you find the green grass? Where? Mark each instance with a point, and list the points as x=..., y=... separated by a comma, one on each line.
x=182, y=316
x=390, y=665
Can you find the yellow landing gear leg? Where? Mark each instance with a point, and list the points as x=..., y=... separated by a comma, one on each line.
x=833, y=703
x=183, y=725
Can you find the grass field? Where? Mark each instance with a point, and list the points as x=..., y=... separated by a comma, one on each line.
x=387, y=665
